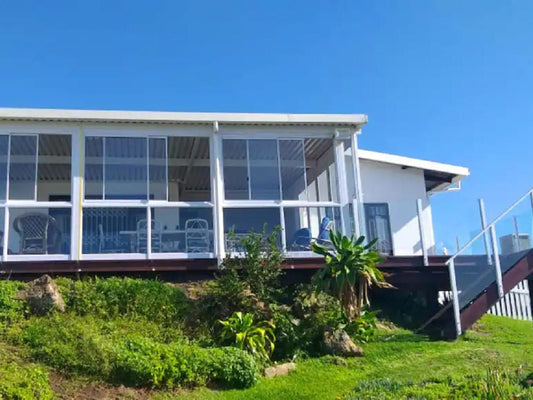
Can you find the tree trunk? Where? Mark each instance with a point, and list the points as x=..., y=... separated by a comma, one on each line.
x=350, y=303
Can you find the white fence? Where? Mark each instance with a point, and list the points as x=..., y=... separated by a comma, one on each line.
x=514, y=304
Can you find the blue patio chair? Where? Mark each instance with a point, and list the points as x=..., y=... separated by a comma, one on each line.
x=302, y=237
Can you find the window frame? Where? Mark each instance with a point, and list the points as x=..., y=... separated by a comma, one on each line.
x=387, y=207
x=281, y=204
x=148, y=204
x=8, y=204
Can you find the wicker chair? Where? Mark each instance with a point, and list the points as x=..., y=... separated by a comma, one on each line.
x=38, y=234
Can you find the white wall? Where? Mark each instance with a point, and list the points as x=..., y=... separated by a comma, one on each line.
x=399, y=188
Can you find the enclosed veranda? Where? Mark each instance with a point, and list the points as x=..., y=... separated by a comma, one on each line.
x=88, y=190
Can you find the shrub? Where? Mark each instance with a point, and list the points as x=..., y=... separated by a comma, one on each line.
x=232, y=368
x=261, y=264
x=364, y=328
x=125, y=352
x=11, y=308
x=24, y=382
x=256, y=338
x=142, y=362
x=113, y=297
x=67, y=344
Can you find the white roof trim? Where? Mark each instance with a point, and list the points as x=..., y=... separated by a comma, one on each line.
x=414, y=163
x=179, y=117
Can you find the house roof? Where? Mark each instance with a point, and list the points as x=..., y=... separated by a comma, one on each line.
x=438, y=176
x=43, y=114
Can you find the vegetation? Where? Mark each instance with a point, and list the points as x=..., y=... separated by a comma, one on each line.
x=350, y=270
x=128, y=338
x=400, y=365
x=256, y=338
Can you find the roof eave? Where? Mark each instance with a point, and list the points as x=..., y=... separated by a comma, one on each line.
x=42, y=114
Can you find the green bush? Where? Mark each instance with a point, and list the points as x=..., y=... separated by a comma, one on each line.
x=11, y=309
x=24, y=382
x=113, y=297
x=232, y=368
x=67, y=344
x=132, y=353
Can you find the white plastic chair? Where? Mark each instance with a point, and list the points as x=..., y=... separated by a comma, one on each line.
x=197, y=236
x=142, y=236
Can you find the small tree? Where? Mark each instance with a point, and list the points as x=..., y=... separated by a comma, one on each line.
x=350, y=270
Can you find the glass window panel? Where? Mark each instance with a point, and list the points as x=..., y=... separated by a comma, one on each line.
x=235, y=169
x=378, y=226
x=158, y=168
x=125, y=168
x=39, y=231
x=303, y=225
x=182, y=230
x=94, y=168
x=4, y=148
x=23, y=159
x=264, y=172
x=114, y=230
x=189, y=172
x=320, y=173
x=2, y=216
x=238, y=222
x=292, y=160
x=54, y=168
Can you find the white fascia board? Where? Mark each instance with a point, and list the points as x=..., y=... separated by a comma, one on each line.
x=180, y=117
x=414, y=163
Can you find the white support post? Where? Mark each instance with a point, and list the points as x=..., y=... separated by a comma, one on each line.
x=340, y=169
x=516, y=234
x=531, y=201
x=455, y=298
x=148, y=232
x=483, y=226
x=497, y=268
x=357, y=201
x=217, y=190
x=421, y=230
x=76, y=195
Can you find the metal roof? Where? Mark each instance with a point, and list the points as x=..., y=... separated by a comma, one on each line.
x=438, y=176
x=44, y=114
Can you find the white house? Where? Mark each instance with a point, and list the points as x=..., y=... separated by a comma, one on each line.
x=82, y=185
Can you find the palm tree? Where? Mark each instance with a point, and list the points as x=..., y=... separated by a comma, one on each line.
x=350, y=270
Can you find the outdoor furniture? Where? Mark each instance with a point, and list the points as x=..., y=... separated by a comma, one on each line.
x=38, y=234
x=302, y=237
x=107, y=243
x=197, y=236
x=142, y=235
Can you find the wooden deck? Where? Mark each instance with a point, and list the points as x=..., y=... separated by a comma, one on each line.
x=407, y=273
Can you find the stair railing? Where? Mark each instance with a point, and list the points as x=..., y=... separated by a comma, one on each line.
x=493, y=259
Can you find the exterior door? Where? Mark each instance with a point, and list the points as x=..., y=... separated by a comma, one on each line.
x=378, y=226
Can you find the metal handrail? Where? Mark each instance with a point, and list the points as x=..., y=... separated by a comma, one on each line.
x=489, y=226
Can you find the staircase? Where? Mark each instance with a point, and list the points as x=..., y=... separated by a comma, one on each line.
x=487, y=267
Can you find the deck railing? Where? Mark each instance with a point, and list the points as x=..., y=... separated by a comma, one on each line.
x=484, y=259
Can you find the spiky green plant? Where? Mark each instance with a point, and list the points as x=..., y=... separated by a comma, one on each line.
x=258, y=339
x=350, y=270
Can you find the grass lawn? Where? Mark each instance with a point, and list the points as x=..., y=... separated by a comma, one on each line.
x=404, y=357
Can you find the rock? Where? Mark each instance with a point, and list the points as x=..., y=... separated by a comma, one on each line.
x=279, y=370
x=339, y=343
x=43, y=296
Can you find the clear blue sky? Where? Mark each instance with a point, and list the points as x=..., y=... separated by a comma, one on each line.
x=449, y=81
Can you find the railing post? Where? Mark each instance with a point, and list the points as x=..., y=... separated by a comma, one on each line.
x=421, y=230
x=455, y=297
x=497, y=267
x=516, y=234
x=483, y=226
x=531, y=201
